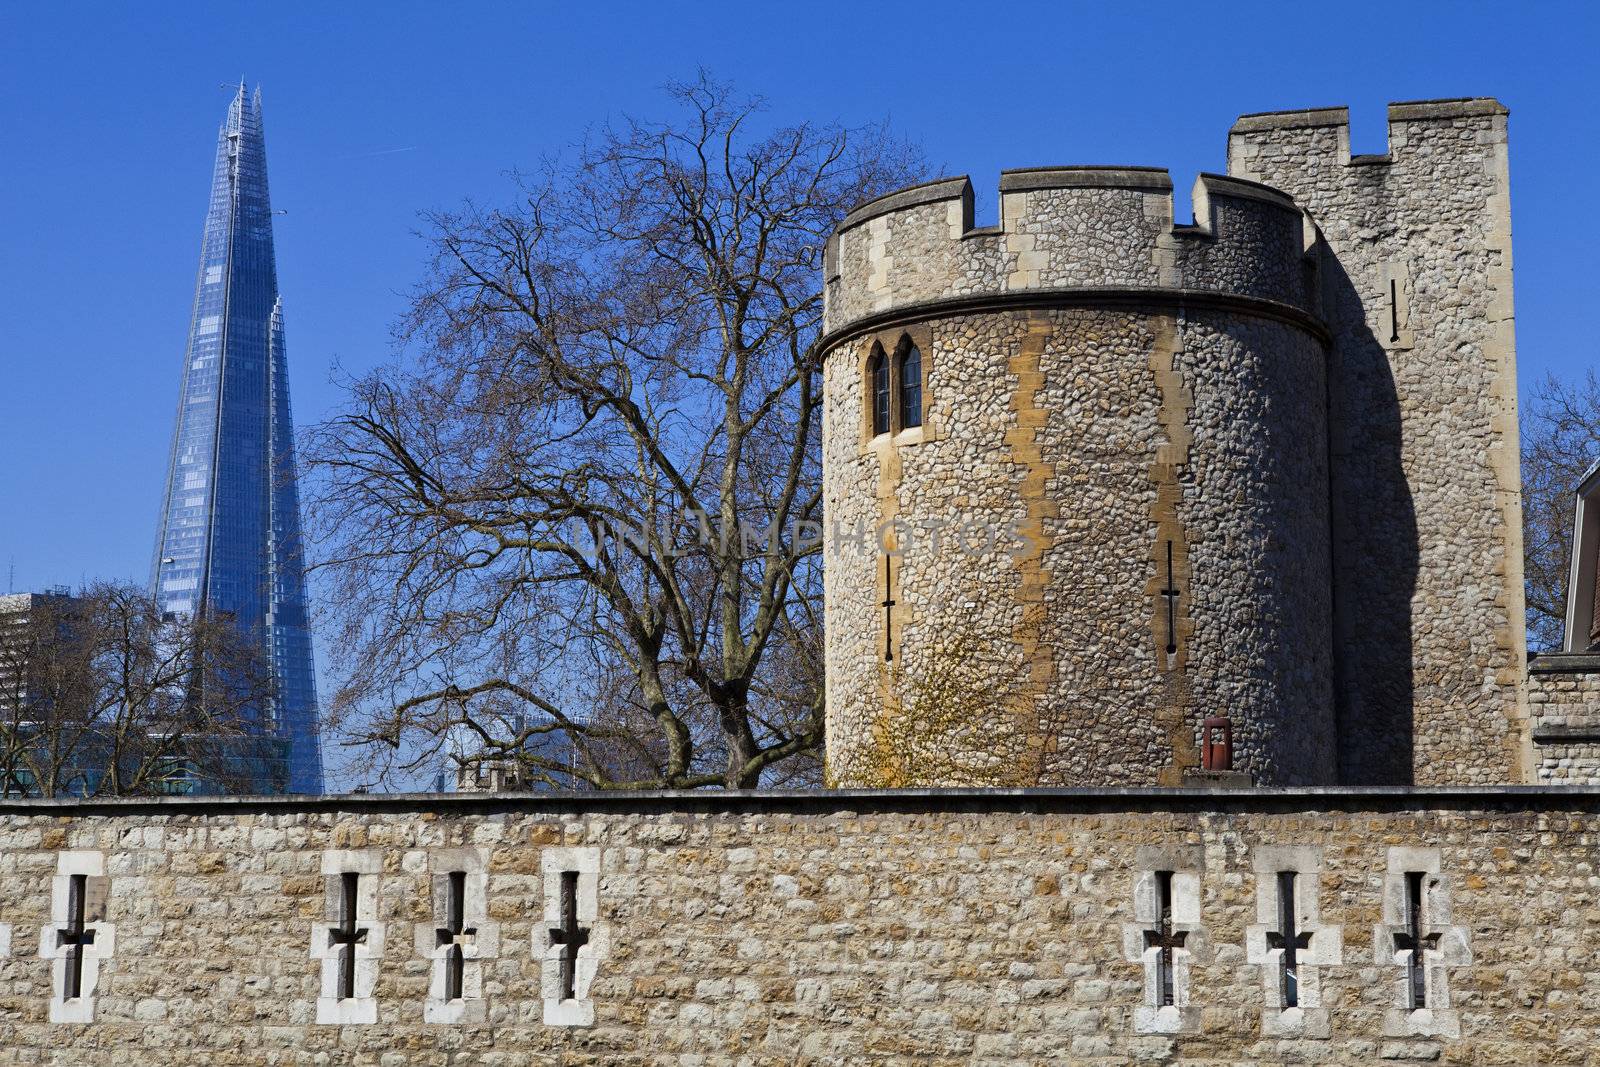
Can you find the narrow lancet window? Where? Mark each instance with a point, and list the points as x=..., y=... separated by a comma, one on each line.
x=1288, y=962
x=910, y=386
x=878, y=386
x=888, y=613
x=1170, y=593
x=76, y=937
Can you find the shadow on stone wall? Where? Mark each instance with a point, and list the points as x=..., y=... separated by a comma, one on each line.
x=1375, y=549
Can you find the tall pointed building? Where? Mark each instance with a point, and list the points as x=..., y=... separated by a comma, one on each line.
x=229, y=539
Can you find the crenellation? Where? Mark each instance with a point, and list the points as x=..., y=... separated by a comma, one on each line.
x=1253, y=242
x=1064, y=228
x=1150, y=483
x=1331, y=559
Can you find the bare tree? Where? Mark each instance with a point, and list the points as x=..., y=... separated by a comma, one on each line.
x=547, y=532
x=107, y=695
x=1560, y=440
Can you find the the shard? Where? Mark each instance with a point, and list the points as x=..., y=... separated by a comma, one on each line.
x=229, y=538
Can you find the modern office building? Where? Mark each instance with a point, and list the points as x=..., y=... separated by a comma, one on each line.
x=39, y=649
x=19, y=613
x=229, y=539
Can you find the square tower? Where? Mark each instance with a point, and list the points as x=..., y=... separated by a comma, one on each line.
x=1423, y=451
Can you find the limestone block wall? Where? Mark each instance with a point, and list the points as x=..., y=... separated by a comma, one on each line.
x=1564, y=706
x=1427, y=549
x=991, y=928
x=1112, y=520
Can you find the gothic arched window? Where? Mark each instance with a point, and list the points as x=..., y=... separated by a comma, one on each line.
x=878, y=387
x=910, y=368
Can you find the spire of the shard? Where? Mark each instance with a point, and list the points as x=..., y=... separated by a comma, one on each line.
x=229, y=542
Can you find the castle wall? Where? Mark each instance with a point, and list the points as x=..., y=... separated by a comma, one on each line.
x=1564, y=707
x=1136, y=418
x=957, y=928
x=1422, y=403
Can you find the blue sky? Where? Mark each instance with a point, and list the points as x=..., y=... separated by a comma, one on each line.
x=108, y=120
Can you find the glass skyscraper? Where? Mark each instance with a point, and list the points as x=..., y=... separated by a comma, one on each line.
x=229, y=540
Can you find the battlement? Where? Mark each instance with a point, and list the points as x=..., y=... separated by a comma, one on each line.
x=1323, y=134
x=1082, y=227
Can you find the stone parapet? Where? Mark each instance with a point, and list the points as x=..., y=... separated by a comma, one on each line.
x=1325, y=131
x=1064, y=228
x=1007, y=927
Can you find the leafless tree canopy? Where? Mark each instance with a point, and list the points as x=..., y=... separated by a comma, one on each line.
x=1560, y=439
x=105, y=695
x=548, y=529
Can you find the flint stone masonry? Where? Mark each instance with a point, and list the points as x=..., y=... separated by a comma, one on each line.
x=1263, y=466
x=1062, y=228
x=1086, y=693
x=1426, y=505
x=958, y=927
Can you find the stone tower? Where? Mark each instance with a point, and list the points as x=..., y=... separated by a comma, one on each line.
x=1429, y=643
x=1092, y=476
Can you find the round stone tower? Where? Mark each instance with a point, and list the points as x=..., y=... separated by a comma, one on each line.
x=1076, y=482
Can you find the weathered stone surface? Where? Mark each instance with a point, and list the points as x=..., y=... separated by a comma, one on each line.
x=1264, y=466
x=1564, y=708
x=1022, y=515
x=982, y=927
x=1426, y=506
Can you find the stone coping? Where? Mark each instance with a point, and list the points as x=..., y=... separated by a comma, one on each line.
x=1156, y=179
x=1457, y=107
x=1289, y=120
x=1401, y=111
x=1228, y=185
x=912, y=196
x=844, y=801
x=1565, y=663
x=1147, y=179
x=1153, y=179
